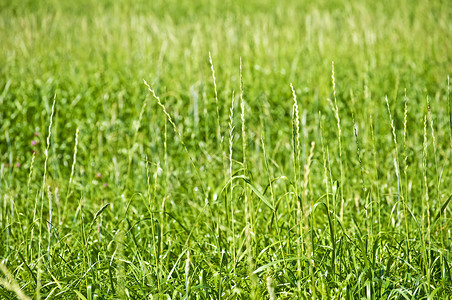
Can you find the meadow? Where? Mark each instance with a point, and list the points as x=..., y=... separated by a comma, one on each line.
x=225, y=149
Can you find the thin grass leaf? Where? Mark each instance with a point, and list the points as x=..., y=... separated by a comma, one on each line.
x=443, y=208
x=257, y=192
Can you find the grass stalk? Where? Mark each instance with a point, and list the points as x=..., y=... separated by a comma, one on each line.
x=309, y=220
x=297, y=198
x=324, y=160
x=30, y=174
x=271, y=288
x=358, y=148
x=274, y=212
x=434, y=143
x=219, y=137
x=187, y=276
x=11, y=284
x=396, y=161
x=168, y=117
x=331, y=209
x=249, y=229
x=71, y=177
x=426, y=209
x=405, y=175
x=150, y=206
x=231, y=199
x=377, y=176
x=42, y=194
x=448, y=237
x=44, y=177
x=339, y=137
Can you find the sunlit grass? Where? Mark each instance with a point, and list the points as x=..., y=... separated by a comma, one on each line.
x=246, y=165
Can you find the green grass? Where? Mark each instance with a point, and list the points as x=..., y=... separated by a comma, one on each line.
x=249, y=166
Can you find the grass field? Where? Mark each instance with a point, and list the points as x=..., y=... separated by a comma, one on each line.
x=225, y=149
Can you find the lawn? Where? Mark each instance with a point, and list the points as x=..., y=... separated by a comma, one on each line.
x=225, y=149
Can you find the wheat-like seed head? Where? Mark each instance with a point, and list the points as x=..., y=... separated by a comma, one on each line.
x=11, y=284
x=392, y=124
x=242, y=115
x=220, y=138
x=31, y=169
x=296, y=120
x=430, y=119
x=46, y=152
x=74, y=160
x=231, y=133
x=270, y=288
x=424, y=158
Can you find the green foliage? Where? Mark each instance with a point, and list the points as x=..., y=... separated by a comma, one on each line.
x=352, y=204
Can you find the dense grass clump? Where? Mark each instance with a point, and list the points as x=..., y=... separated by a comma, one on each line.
x=225, y=149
